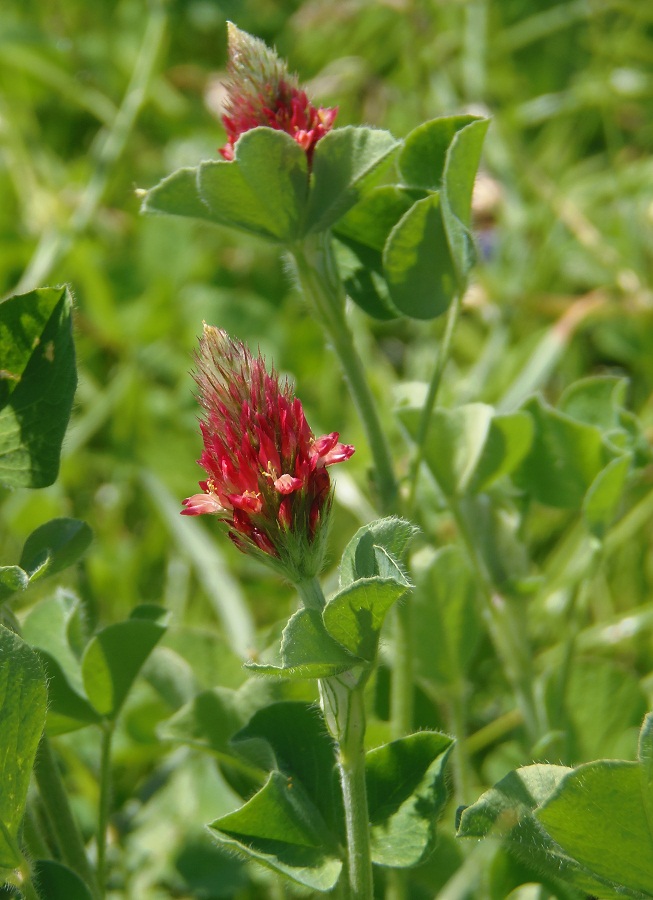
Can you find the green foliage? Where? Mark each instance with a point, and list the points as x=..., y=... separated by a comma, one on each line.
x=23, y=700
x=58, y=882
x=266, y=190
x=411, y=241
x=114, y=656
x=37, y=385
x=589, y=825
x=407, y=792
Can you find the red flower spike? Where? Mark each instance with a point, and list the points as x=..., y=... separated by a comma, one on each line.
x=267, y=477
x=261, y=91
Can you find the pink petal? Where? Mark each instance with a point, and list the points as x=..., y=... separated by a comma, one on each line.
x=286, y=484
x=199, y=504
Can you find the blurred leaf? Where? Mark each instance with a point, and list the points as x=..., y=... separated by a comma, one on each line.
x=605, y=494
x=282, y=829
x=343, y=160
x=37, y=385
x=355, y=614
x=55, y=546
x=58, y=882
x=222, y=589
x=508, y=441
x=597, y=816
x=47, y=629
x=378, y=550
x=597, y=400
x=455, y=443
x=407, y=791
x=307, y=650
x=460, y=169
x=209, y=720
x=564, y=459
x=417, y=262
x=446, y=624
x=424, y=154
x=113, y=659
x=603, y=706
x=23, y=699
x=12, y=580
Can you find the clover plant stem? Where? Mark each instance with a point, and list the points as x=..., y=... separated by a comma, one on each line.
x=55, y=802
x=104, y=805
x=431, y=398
x=342, y=699
x=507, y=636
x=311, y=593
x=320, y=282
x=343, y=706
x=402, y=686
x=458, y=725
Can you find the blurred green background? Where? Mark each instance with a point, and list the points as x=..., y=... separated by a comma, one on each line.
x=98, y=100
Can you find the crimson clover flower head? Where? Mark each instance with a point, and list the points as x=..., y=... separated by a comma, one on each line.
x=267, y=472
x=261, y=91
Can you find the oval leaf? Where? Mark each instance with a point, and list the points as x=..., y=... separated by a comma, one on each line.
x=113, y=659
x=23, y=699
x=54, y=546
x=307, y=650
x=378, y=549
x=37, y=385
x=423, y=156
x=407, y=791
x=342, y=163
x=354, y=616
x=418, y=265
x=58, y=882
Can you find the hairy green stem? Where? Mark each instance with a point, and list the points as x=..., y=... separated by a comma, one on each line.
x=320, y=282
x=104, y=806
x=343, y=706
x=344, y=712
x=55, y=802
x=56, y=241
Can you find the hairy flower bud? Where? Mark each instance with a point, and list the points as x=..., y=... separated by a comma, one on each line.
x=261, y=91
x=267, y=473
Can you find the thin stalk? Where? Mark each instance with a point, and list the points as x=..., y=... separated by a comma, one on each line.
x=507, y=636
x=458, y=723
x=351, y=764
x=402, y=686
x=431, y=398
x=343, y=706
x=55, y=241
x=55, y=802
x=104, y=806
x=319, y=280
